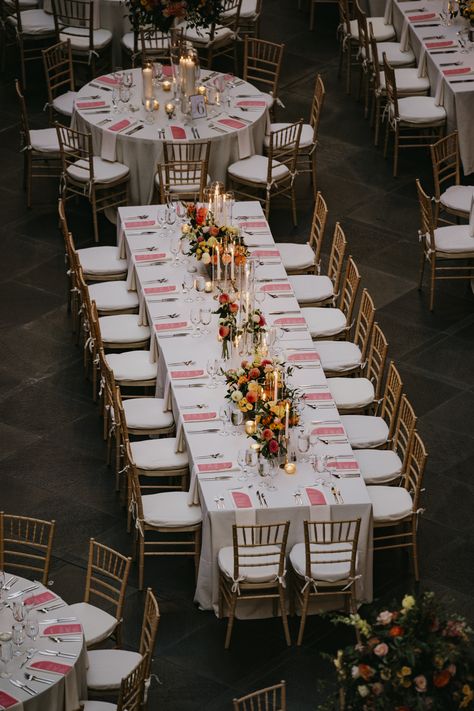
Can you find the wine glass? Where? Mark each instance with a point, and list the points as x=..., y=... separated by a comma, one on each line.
x=188, y=283
x=32, y=628
x=199, y=285
x=115, y=99
x=127, y=78
x=242, y=462
x=224, y=416
x=269, y=483
x=196, y=320
x=157, y=72
x=251, y=457
x=320, y=467
x=237, y=418
x=124, y=94
x=206, y=316
x=211, y=368
x=303, y=445
x=18, y=637
x=18, y=610
x=175, y=244
x=170, y=217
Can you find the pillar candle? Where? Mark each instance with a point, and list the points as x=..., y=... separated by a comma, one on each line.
x=147, y=75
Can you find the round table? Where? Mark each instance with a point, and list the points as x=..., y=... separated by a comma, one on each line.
x=66, y=690
x=143, y=150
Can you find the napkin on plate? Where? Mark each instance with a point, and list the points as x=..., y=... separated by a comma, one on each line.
x=316, y=497
x=317, y=396
x=291, y=321
x=50, y=667
x=40, y=599
x=254, y=224
x=241, y=500
x=151, y=257
x=345, y=465
x=439, y=45
x=276, y=287
x=252, y=102
x=265, y=253
x=159, y=289
x=199, y=416
x=90, y=104
x=328, y=431
x=139, y=223
x=178, y=133
x=456, y=71
x=422, y=18
x=186, y=374
x=215, y=467
x=302, y=357
x=171, y=326
x=232, y=123
x=107, y=80
x=7, y=700
x=62, y=630
x=120, y=125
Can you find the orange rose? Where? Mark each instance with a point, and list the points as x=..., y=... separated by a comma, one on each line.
x=441, y=678
x=365, y=671
x=396, y=631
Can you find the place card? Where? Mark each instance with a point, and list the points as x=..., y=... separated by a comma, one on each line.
x=241, y=500
x=62, y=630
x=199, y=416
x=171, y=326
x=7, y=700
x=51, y=667
x=328, y=431
x=149, y=290
x=186, y=374
x=40, y=599
x=316, y=497
x=302, y=357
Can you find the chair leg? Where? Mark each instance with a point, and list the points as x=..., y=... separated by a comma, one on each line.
x=293, y=206
x=422, y=269
x=416, y=567
x=141, y=560
x=29, y=181
x=304, y=614
x=395, y=153
x=284, y=616
x=94, y=216
x=387, y=132
x=230, y=623
x=432, y=284
x=197, y=550
x=377, y=121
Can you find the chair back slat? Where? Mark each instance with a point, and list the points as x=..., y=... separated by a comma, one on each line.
x=25, y=545
x=262, y=64
x=446, y=163
x=350, y=287
x=364, y=323
x=58, y=67
x=377, y=359
x=318, y=225
x=331, y=543
x=391, y=399
x=336, y=256
x=262, y=546
x=151, y=619
x=317, y=106
x=76, y=146
x=391, y=89
x=404, y=430
x=132, y=689
x=107, y=576
x=426, y=217
x=272, y=698
x=155, y=46
x=284, y=146
x=415, y=470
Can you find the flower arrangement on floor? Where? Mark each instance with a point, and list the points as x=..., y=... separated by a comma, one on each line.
x=206, y=238
x=161, y=14
x=411, y=657
x=227, y=312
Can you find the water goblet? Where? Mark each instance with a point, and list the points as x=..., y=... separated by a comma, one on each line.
x=224, y=416
x=18, y=637
x=18, y=610
x=6, y=656
x=188, y=283
x=242, y=462
x=303, y=445
x=32, y=628
x=175, y=245
x=251, y=457
x=206, y=316
x=211, y=368
x=199, y=285
x=115, y=99
x=237, y=418
x=196, y=320
x=170, y=216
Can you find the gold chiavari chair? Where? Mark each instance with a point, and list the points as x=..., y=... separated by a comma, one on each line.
x=106, y=583
x=40, y=148
x=221, y=37
x=103, y=183
x=325, y=565
x=350, y=357
x=305, y=258
x=399, y=507
x=155, y=45
x=59, y=72
x=413, y=120
x=348, y=44
x=388, y=465
x=273, y=175
x=253, y=568
x=25, y=545
x=322, y=289
x=357, y=395
x=450, y=196
x=374, y=431
x=335, y=322
x=175, y=526
x=262, y=66
x=108, y=667
x=249, y=20
x=440, y=245
x=184, y=172
x=131, y=696
x=272, y=698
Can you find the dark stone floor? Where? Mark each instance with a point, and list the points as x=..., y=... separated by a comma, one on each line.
x=52, y=456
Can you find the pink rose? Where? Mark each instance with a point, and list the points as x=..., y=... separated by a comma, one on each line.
x=267, y=434
x=385, y=617
x=224, y=331
x=224, y=299
x=420, y=683
x=273, y=446
x=254, y=373
x=381, y=649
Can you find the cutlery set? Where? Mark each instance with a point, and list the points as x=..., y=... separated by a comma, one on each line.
x=195, y=132
x=261, y=498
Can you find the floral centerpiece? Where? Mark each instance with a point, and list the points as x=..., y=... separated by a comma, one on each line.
x=245, y=385
x=466, y=8
x=162, y=14
x=273, y=419
x=205, y=237
x=254, y=326
x=227, y=312
x=410, y=657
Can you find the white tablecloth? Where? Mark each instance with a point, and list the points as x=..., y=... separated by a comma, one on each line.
x=66, y=691
x=217, y=523
x=142, y=151
x=457, y=98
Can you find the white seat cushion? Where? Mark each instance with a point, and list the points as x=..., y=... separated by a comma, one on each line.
x=96, y=623
x=296, y=256
x=365, y=430
x=395, y=56
x=420, y=109
x=201, y=36
x=64, y=103
x=247, y=10
x=122, y=329
x=309, y=288
x=256, y=574
x=327, y=572
x=104, y=170
x=382, y=32
x=176, y=187
x=307, y=134
x=389, y=503
x=79, y=37
x=458, y=197
x=158, y=454
x=97, y=706
x=24, y=4
x=454, y=239
x=113, y=296
x=338, y=355
x=44, y=140
x=378, y=466
x=35, y=22
x=323, y=322
x=107, y=667
x=170, y=509
x=128, y=41
x=407, y=81
x=101, y=260
x=146, y=413
x=351, y=393
x=255, y=169
x=132, y=366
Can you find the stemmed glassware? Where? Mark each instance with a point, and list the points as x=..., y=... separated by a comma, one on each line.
x=242, y=462
x=188, y=283
x=206, y=316
x=303, y=445
x=18, y=637
x=175, y=246
x=32, y=628
x=224, y=416
x=237, y=418
x=199, y=285
x=196, y=320
x=211, y=368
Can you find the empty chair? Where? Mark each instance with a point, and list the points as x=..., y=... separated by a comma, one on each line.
x=183, y=173
x=131, y=695
x=262, y=66
x=59, y=73
x=25, y=545
x=450, y=196
x=272, y=698
x=305, y=258
x=249, y=18
x=154, y=46
x=221, y=37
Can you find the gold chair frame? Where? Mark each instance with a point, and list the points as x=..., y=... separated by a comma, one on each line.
x=154, y=45
x=185, y=165
x=446, y=163
x=213, y=47
x=376, y=361
x=256, y=545
x=132, y=689
x=59, y=73
x=307, y=154
x=388, y=408
x=348, y=46
x=272, y=698
x=26, y=544
x=362, y=334
x=316, y=236
x=262, y=65
x=250, y=26
x=347, y=300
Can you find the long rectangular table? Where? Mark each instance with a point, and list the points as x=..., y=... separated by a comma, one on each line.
x=181, y=395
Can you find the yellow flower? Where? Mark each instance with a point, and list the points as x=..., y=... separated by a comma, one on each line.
x=385, y=674
x=338, y=659
x=408, y=602
x=405, y=671
x=468, y=696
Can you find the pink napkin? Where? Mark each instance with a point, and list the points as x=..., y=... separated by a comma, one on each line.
x=159, y=289
x=232, y=123
x=316, y=497
x=265, y=253
x=152, y=257
x=89, y=104
x=254, y=224
x=420, y=18
x=345, y=465
x=54, y=667
x=458, y=70
x=445, y=43
x=41, y=599
x=241, y=501
x=276, y=287
x=119, y=125
x=328, y=431
x=290, y=321
x=251, y=103
x=171, y=326
x=199, y=416
x=318, y=396
x=178, y=133
x=167, y=70
x=140, y=223
x=176, y=374
x=214, y=467
x=107, y=80
x=6, y=700
x=297, y=357
x=62, y=629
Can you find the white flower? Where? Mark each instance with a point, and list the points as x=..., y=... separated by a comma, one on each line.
x=185, y=229
x=206, y=258
x=363, y=690
x=205, y=229
x=236, y=396
x=355, y=672
x=256, y=318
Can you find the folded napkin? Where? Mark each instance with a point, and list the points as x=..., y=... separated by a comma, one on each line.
x=439, y=44
x=90, y=104
x=302, y=357
x=171, y=326
x=151, y=257
x=120, y=125
x=290, y=321
x=199, y=416
x=241, y=500
x=423, y=17
x=317, y=396
x=75, y=629
x=139, y=223
x=345, y=465
x=276, y=287
x=254, y=224
x=178, y=133
x=107, y=80
x=50, y=667
x=328, y=431
x=40, y=599
x=265, y=253
x=215, y=467
x=232, y=123
x=167, y=70
x=186, y=374
x=159, y=289
x=316, y=497
x=251, y=102
x=456, y=71
x=7, y=700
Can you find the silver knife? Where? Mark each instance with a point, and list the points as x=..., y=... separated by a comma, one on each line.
x=191, y=385
x=460, y=81
x=213, y=429
x=134, y=130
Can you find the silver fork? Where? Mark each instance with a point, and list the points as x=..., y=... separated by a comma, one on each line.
x=160, y=318
x=21, y=685
x=40, y=679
